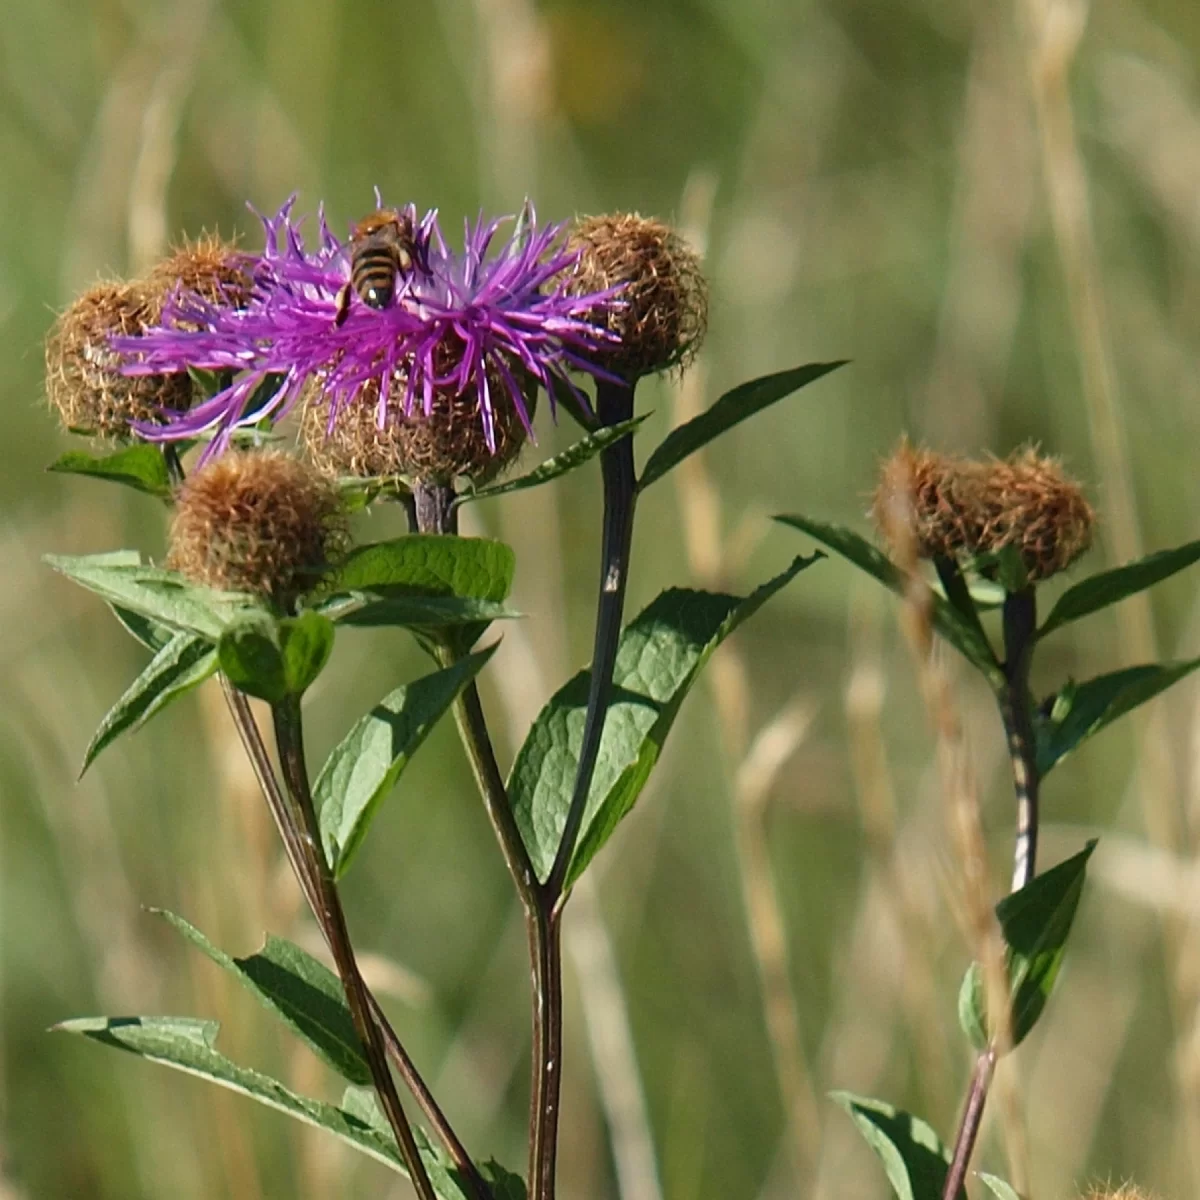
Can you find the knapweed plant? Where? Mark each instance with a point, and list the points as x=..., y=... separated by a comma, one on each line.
x=264, y=398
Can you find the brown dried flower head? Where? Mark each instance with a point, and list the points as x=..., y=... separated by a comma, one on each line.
x=664, y=312
x=262, y=522
x=447, y=444
x=965, y=509
x=82, y=380
x=209, y=266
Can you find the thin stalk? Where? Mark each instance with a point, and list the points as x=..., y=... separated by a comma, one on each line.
x=1020, y=630
x=1020, y=627
x=289, y=737
x=256, y=750
x=434, y=512
x=968, y=1128
x=614, y=403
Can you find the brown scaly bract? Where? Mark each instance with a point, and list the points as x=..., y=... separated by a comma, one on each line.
x=437, y=448
x=965, y=509
x=263, y=523
x=663, y=311
x=82, y=378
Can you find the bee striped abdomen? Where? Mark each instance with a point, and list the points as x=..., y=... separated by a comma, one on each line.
x=373, y=275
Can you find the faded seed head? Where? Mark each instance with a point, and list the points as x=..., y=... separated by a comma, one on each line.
x=661, y=314
x=82, y=378
x=264, y=523
x=967, y=509
x=448, y=443
x=207, y=266
x=1127, y=1191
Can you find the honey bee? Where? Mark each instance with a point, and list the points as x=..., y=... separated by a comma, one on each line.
x=383, y=247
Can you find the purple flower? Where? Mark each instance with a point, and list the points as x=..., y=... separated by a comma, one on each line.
x=458, y=322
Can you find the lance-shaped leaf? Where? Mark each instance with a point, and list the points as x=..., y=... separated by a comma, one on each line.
x=190, y=1045
x=303, y=992
x=914, y=1159
x=372, y=610
x=276, y=659
x=163, y=596
x=963, y=633
x=661, y=653
x=1080, y=710
x=998, y=1187
x=365, y=766
x=1035, y=923
x=430, y=565
x=574, y=456
x=185, y=661
x=1100, y=590
x=140, y=466
x=731, y=409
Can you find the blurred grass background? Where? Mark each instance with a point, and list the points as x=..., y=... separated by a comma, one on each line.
x=994, y=210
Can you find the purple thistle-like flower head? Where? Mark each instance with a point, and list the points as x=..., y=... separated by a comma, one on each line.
x=486, y=319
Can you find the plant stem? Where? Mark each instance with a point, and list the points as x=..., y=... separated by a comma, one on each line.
x=614, y=403
x=1020, y=628
x=256, y=750
x=289, y=736
x=968, y=1128
x=437, y=514
x=1020, y=632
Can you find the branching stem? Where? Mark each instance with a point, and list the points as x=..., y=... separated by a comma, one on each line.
x=256, y=750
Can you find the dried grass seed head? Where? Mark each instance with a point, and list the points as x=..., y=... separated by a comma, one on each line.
x=83, y=382
x=1127, y=1191
x=263, y=522
x=663, y=311
x=969, y=509
x=448, y=443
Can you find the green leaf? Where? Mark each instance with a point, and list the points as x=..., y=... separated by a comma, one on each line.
x=660, y=655
x=1035, y=923
x=369, y=610
x=189, y=1045
x=357, y=492
x=574, y=456
x=913, y=1157
x=430, y=565
x=365, y=766
x=140, y=466
x=297, y=988
x=1000, y=1189
x=150, y=633
x=1080, y=710
x=965, y=635
x=1099, y=591
x=730, y=410
x=185, y=661
x=274, y=659
x=163, y=596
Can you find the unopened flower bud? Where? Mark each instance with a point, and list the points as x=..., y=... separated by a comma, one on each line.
x=263, y=523
x=660, y=313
